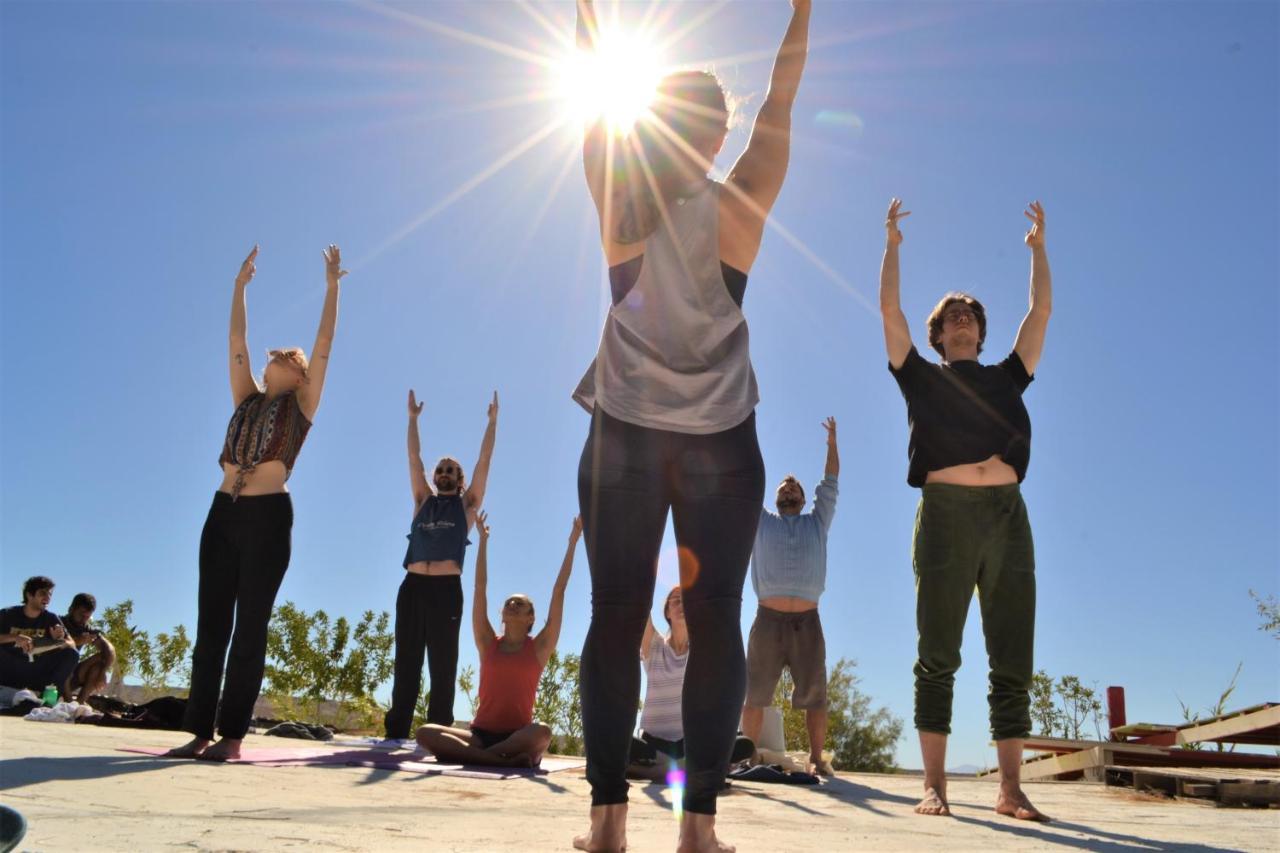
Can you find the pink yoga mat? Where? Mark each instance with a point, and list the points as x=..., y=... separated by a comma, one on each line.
x=412, y=762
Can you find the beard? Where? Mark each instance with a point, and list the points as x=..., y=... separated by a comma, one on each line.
x=790, y=503
x=446, y=484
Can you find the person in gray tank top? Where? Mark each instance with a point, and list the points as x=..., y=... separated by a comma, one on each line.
x=672, y=397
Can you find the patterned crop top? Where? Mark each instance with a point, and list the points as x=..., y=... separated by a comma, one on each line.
x=263, y=430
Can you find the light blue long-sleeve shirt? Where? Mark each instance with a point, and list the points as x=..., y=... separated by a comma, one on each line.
x=790, y=554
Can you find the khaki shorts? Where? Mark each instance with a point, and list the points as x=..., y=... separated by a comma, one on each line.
x=793, y=640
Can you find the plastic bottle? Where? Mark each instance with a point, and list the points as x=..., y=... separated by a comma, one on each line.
x=50, y=696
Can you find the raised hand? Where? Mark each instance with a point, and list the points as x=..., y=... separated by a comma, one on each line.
x=895, y=213
x=830, y=426
x=1035, y=237
x=576, y=532
x=493, y=407
x=482, y=525
x=415, y=408
x=801, y=5
x=333, y=271
x=247, y=269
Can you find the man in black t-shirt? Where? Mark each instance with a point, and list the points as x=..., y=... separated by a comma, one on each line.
x=35, y=650
x=90, y=675
x=969, y=448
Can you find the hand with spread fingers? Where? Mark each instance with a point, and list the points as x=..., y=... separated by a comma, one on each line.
x=894, y=236
x=247, y=269
x=1035, y=237
x=830, y=426
x=333, y=270
x=482, y=525
x=415, y=408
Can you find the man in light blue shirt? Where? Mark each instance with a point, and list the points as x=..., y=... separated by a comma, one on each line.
x=789, y=572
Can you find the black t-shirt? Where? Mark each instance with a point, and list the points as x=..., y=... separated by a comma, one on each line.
x=964, y=412
x=14, y=620
x=76, y=630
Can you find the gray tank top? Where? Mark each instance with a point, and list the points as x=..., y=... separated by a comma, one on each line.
x=675, y=353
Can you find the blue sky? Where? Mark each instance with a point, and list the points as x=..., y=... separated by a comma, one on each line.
x=146, y=147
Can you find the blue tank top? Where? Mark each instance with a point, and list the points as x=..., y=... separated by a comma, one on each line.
x=439, y=531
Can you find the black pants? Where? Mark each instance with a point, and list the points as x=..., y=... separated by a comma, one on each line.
x=628, y=479
x=244, y=551
x=428, y=618
x=646, y=748
x=49, y=668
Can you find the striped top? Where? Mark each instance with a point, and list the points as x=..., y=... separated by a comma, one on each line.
x=790, y=554
x=664, y=671
x=263, y=430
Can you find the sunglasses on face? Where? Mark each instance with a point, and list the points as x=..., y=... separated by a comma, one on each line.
x=447, y=469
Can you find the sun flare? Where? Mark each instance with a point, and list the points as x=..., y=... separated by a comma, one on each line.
x=618, y=80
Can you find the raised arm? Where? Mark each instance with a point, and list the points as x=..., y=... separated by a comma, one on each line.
x=242, y=384
x=649, y=631
x=596, y=142
x=545, y=643
x=1030, y=340
x=480, y=475
x=832, y=468
x=897, y=335
x=760, y=170
x=480, y=627
x=309, y=395
x=418, y=483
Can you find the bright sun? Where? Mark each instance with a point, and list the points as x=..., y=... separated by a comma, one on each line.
x=618, y=80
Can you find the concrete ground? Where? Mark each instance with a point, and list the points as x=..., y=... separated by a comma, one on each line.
x=78, y=792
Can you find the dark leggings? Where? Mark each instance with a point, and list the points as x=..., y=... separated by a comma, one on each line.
x=628, y=479
x=244, y=551
x=428, y=618
x=646, y=748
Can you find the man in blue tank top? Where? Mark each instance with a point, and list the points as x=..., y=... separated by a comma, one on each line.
x=429, y=603
x=789, y=573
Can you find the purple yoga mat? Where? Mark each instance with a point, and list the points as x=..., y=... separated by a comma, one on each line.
x=412, y=762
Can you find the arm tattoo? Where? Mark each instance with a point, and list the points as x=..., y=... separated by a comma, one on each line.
x=239, y=358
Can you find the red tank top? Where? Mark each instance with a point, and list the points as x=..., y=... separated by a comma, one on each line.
x=508, y=685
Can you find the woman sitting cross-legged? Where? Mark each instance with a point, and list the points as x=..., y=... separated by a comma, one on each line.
x=503, y=732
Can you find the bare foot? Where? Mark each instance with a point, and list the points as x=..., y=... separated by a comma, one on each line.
x=934, y=803
x=820, y=766
x=227, y=749
x=608, y=833
x=190, y=749
x=698, y=835
x=1015, y=804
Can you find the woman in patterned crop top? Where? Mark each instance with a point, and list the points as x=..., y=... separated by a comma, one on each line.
x=244, y=548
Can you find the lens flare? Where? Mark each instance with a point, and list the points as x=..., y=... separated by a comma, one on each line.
x=618, y=80
x=675, y=784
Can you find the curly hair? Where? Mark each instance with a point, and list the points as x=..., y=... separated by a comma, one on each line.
x=935, y=319
x=34, y=584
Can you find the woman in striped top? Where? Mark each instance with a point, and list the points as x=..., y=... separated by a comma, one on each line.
x=244, y=548
x=661, y=721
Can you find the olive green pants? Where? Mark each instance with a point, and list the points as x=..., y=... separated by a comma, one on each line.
x=967, y=537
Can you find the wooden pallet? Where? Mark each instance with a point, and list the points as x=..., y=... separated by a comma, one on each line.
x=1090, y=759
x=1225, y=787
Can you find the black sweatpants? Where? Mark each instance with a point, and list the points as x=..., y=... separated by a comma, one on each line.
x=713, y=485
x=244, y=552
x=428, y=618
x=52, y=667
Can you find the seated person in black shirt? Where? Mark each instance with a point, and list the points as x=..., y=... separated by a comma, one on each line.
x=969, y=448
x=35, y=650
x=90, y=675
